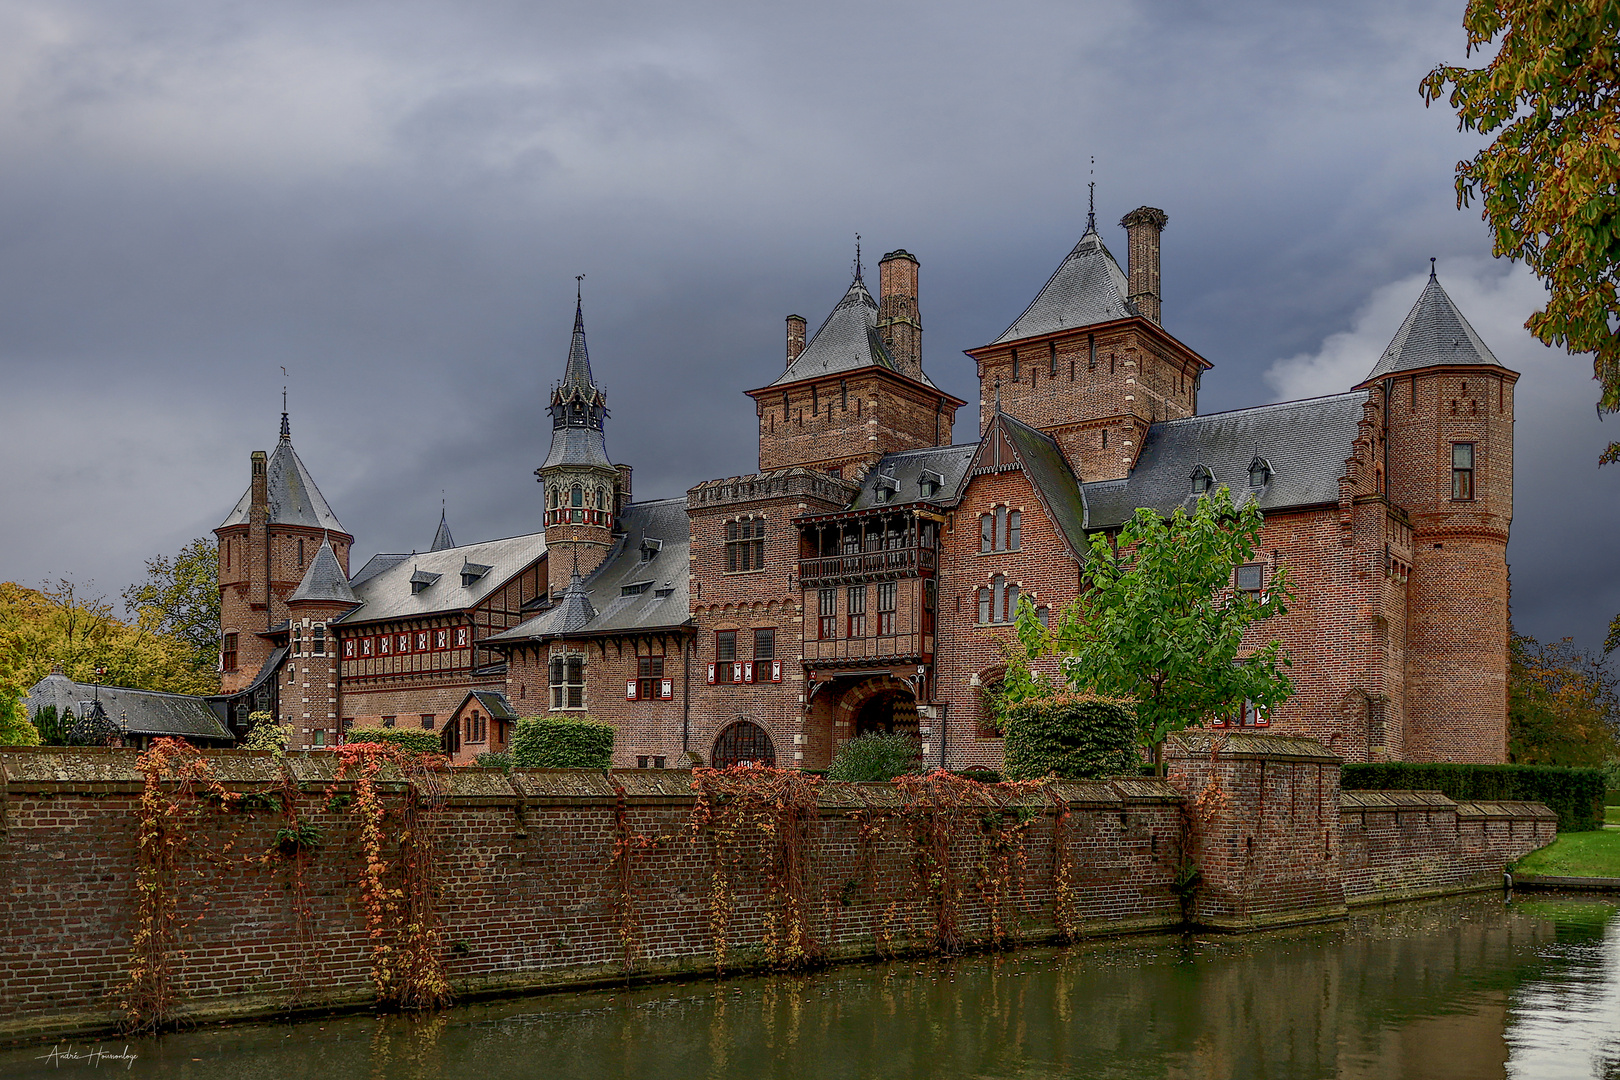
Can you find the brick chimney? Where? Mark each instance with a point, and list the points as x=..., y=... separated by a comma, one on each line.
x=795, y=338
x=1142, y=228
x=899, y=321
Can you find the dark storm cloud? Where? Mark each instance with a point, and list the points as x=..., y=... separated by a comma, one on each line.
x=392, y=201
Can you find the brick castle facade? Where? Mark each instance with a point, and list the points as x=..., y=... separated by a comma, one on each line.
x=865, y=577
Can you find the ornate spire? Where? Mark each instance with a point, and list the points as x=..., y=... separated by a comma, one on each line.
x=578, y=406
x=442, y=540
x=286, y=429
x=858, y=257
x=1091, y=200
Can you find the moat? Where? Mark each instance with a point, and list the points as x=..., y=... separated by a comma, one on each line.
x=1470, y=988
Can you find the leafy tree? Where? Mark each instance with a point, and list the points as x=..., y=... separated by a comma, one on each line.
x=1159, y=623
x=15, y=730
x=72, y=625
x=1551, y=96
x=1563, y=705
x=877, y=755
x=180, y=598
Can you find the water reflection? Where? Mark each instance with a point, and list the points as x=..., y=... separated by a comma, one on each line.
x=1470, y=988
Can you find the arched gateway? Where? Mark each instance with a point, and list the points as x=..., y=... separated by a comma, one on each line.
x=743, y=741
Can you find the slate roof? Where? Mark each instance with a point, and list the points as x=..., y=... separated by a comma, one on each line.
x=599, y=605
x=442, y=540
x=1049, y=471
x=1305, y=442
x=1087, y=287
x=294, y=498
x=578, y=408
x=846, y=341
x=1435, y=334
x=494, y=703
x=577, y=446
x=950, y=463
x=324, y=581
x=140, y=712
x=386, y=594
x=374, y=566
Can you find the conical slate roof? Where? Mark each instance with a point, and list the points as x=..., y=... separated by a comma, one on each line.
x=578, y=409
x=294, y=498
x=1088, y=287
x=1435, y=334
x=846, y=341
x=442, y=540
x=324, y=581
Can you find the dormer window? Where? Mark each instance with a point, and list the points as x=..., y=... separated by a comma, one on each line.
x=886, y=488
x=471, y=572
x=929, y=483
x=1259, y=472
x=421, y=579
x=650, y=548
x=664, y=593
x=635, y=588
x=1202, y=480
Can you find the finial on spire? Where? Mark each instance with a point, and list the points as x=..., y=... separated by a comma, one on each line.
x=857, y=256
x=286, y=428
x=579, y=289
x=1091, y=201
x=1431, y=269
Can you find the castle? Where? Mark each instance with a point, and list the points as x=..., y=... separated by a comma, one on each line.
x=863, y=577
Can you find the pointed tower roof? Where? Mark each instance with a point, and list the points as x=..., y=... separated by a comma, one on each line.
x=324, y=581
x=1435, y=334
x=846, y=341
x=442, y=540
x=578, y=407
x=1087, y=287
x=294, y=498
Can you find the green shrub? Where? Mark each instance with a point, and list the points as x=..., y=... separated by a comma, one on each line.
x=15, y=730
x=266, y=734
x=494, y=759
x=1576, y=795
x=420, y=742
x=577, y=742
x=1072, y=736
x=876, y=756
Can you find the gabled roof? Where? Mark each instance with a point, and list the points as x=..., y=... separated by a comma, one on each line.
x=1305, y=443
x=387, y=593
x=324, y=581
x=907, y=467
x=442, y=540
x=1435, y=334
x=294, y=498
x=494, y=703
x=1087, y=287
x=601, y=604
x=846, y=341
x=139, y=712
x=1037, y=454
x=374, y=566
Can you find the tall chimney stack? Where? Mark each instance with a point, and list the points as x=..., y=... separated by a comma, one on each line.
x=795, y=338
x=899, y=322
x=1142, y=228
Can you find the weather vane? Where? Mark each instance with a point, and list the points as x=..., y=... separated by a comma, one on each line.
x=857, y=256
x=1091, y=202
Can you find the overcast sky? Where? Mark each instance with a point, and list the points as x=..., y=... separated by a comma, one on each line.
x=392, y=200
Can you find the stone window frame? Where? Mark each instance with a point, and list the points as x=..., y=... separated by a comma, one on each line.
x=999, y=598
x=1463, y=476
x=1001, y=530
x=745, y=544
x=566, y=679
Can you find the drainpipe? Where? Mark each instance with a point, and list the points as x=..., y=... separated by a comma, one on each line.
x=686, y=696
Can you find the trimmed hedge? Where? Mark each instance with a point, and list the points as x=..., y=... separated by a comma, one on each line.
x=579, y=742
x=876, y=756
x=1071, y=736
x=420, y=742
x=1575, y=795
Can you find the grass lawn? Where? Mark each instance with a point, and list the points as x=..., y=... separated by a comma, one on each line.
x=1611, y=814
x=1576, y=854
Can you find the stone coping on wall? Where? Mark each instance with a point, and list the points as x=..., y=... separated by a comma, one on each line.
x=1397, y=801
x=1197, y=742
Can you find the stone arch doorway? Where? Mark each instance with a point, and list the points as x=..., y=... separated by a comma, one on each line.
x=883, y=704
x=743, y=741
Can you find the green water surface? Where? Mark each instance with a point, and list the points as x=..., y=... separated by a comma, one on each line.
x=1469, y=988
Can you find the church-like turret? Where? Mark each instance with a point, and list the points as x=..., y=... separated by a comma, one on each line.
x=581, y=483
x=266, y=546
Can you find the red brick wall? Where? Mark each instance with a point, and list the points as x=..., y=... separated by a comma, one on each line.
x=848, y=422
x=242, y=586
x=529, y=889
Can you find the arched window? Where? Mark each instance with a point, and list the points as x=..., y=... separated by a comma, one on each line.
x=1011, y=612
x=741, y=743
x=577, y=496
x=984, y=604
x=998, y=585
x=601, y=499
x=987, y=533
x=1014, y=523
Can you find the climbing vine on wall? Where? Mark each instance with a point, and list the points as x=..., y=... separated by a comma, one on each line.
x=171, y=846
x=756, y=814
x=397, y=882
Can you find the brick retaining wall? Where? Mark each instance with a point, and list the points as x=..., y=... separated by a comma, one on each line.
x=530, y=898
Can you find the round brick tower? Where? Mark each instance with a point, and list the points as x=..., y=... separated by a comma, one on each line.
x=1449, y=462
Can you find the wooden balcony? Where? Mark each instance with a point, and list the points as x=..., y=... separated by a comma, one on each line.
x=895, y=648
x=867, y=566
